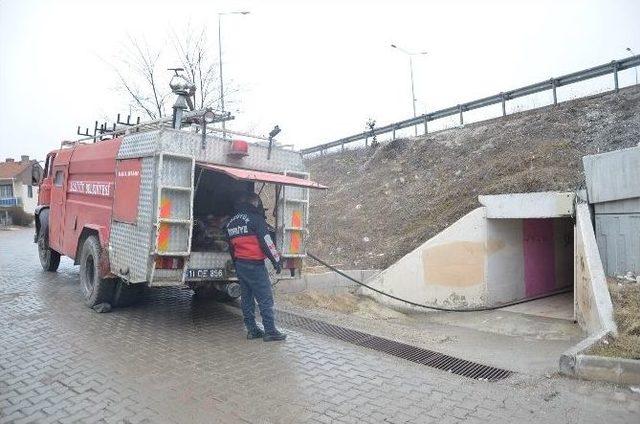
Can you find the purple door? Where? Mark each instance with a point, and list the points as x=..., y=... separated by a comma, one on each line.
x=539, y=256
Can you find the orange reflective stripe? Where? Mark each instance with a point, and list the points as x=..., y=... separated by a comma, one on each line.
x=295, y=242
x=165, y=207
x=296, y=219
x=163, y=237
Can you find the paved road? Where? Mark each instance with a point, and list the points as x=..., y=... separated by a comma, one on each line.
x=171, y=359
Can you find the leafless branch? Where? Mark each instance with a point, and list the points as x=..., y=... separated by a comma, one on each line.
x=140, y=65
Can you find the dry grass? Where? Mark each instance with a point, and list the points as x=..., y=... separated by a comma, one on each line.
x=626, y=304
x=345, y=303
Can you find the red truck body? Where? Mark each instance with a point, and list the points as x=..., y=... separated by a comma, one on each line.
x=78, y=187
x=150, y=188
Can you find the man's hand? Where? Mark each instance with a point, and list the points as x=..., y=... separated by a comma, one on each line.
x=278, y=268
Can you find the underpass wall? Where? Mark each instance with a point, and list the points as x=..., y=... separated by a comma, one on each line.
x=594, y=310
x=448, y=270
x=326, y=282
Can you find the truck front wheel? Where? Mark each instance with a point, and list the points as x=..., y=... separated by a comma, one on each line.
x=49, y=258
x=96, y=290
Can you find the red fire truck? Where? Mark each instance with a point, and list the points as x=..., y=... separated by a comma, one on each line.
x=146, y=206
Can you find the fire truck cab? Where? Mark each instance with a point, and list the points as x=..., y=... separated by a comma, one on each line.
x=147, y=208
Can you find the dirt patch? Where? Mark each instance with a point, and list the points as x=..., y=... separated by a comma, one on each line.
x=626, y=304
x=345, y=303
x=384, y=202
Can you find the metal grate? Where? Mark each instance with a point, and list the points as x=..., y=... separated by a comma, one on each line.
x=415, y=354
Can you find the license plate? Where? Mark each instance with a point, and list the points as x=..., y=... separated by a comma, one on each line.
x=210, y=273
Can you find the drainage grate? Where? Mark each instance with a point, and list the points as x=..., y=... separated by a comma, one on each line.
x=401, y=350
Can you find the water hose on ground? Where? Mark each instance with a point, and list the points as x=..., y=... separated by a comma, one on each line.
x=437, y=308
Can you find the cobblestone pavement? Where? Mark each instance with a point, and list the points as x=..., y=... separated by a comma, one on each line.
x=171, y=359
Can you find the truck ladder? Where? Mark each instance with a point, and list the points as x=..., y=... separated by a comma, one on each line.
x=174, y=216
x=293, y=218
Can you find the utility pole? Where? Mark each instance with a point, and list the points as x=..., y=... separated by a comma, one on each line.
x=413, y=94
x=220, y=15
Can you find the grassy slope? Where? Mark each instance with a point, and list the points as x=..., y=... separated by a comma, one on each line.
x=626, y=303
x=384, y=202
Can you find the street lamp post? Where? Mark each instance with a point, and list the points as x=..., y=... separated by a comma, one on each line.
x=413, y=94
x=220, y=15
x=636, y=68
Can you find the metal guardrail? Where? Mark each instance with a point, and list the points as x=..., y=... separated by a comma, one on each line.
x=552, y=84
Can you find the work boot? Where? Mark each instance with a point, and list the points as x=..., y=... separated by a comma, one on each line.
x=256, y=333
x=274, y=337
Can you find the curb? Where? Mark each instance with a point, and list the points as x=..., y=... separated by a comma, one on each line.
x=574, y=363
x=326, y=282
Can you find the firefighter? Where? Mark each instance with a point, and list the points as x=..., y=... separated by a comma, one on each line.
x=250, y=244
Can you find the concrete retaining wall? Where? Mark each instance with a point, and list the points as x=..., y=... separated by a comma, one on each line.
x=594, y=310
x=447, y=270
x=613, y=188
x=327, y=282
x=613, y=175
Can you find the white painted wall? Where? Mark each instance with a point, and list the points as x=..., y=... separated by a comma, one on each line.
x=505, y=265
x=448, y=270
x=22, y=191
x=544, y=204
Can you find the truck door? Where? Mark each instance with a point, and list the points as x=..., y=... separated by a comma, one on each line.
x=56, y=213
x=44, y=191
x=292, y=208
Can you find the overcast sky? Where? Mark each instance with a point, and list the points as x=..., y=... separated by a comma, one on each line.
x=318, y=69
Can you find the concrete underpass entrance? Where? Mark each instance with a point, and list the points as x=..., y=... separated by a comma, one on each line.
x=533, y=257
x=538, y=258
x=513, y=247
x=543, y=264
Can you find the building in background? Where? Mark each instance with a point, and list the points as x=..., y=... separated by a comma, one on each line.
x=613, y=187
x=19, y=186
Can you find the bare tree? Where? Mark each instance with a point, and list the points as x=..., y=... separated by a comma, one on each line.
x=138, y=78
x=199, y=66
x=144, y=80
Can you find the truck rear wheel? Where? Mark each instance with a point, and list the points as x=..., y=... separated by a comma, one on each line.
x=206, y=293
x=210, y=292
x=96, y=290
x=127, y=294
x=49, y=258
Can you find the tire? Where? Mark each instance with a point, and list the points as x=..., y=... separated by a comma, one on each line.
x=211, y=293
x=95, y=290
x=127, y=294
x=221, y=296
x=49, y=258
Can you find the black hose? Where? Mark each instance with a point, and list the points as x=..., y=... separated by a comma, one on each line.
x=438, y=308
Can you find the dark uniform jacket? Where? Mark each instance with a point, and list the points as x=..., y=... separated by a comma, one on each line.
x=249, y=238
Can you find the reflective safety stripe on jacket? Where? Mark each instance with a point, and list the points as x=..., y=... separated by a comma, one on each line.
x=247, y=247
